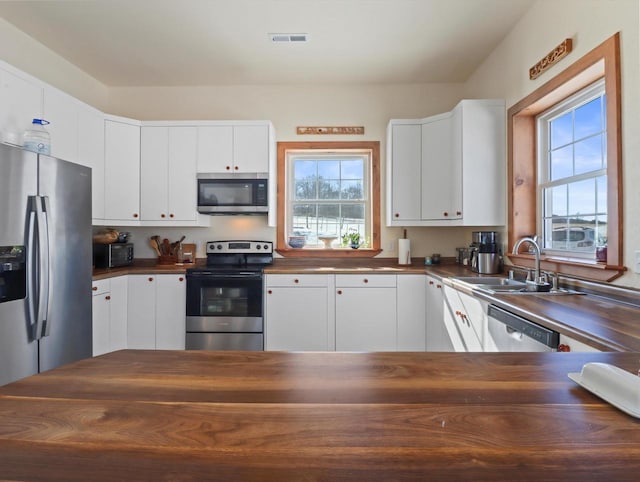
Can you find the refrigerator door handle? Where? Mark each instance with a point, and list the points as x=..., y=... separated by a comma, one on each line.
x=42, y=326
x=31, y=273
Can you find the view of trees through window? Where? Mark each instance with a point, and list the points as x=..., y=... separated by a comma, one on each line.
x=329, y=198
x=573, y=173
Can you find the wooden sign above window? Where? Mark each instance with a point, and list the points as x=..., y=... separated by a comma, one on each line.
x=551, y=58
x=301, y=130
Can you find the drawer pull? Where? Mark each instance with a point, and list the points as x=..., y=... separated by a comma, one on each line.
x=269, y=291
x=339, y=292
x=150, y=278
x=94, y=288
x=181, y=278
x=365, y=280
x=296, y=280
x=107, y=297
x=431, y=283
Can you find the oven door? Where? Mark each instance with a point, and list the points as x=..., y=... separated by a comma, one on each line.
x=224, y=302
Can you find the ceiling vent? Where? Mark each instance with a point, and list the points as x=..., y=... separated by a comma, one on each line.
x=289, y=37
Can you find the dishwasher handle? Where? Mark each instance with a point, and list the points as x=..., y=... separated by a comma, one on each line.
x=537, y=332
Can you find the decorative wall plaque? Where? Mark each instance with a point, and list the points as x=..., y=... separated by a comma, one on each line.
x=301, y=130
x=551, y=58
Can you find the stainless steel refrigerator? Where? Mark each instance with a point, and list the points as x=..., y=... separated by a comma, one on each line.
x=45, y=263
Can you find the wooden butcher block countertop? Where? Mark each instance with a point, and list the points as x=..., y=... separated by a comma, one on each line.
x=271, y=416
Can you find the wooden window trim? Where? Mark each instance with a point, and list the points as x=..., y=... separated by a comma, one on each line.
x=602, y=62
x=281, y=242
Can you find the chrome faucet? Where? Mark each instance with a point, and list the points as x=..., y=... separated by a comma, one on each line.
x=536, y=251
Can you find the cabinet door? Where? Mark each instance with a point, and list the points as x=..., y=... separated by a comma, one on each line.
x=438, y=338
x=100, y=323
x=122, y=171
x=405, y=170
x=215, y=149
x=411, y=312
x=20, y=103
x=441, y=175
x=61, y=110
x=297, y=319
x=118, y=314
x=170, y=312
x=251, y=148
x=91, y=153
x=462, y=332
x=476, y=315
x=576, y=346
x=154, y=173
x=182, y=173
x=366, y=319
x=141, y=312
x=484, y=162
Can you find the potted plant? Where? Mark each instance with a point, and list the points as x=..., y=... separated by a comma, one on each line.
x=351, y=238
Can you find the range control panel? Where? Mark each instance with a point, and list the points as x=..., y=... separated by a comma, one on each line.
x=239, y=247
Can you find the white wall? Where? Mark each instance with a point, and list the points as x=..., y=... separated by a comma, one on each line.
x=23, y=52
x=505, y=74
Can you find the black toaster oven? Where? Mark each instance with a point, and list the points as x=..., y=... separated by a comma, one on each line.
x=112, y=255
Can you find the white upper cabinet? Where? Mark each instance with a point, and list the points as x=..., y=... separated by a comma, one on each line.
x=234, y=148
x=461, y=162
x=168, y=176
x=91, y=153
x=20, y=103
x=62, y=111
x=122, y=170
x=441, y=170
x=405, y=148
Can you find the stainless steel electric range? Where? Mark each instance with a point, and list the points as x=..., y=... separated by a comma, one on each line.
x=225, y=305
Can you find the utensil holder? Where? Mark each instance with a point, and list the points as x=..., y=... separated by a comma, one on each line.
x=167, y=259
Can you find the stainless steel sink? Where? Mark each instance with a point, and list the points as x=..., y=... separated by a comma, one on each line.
x=501, y=285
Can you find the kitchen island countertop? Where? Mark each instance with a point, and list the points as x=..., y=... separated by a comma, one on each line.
x=206, y=415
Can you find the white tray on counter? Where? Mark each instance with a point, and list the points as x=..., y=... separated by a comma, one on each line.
x=614, y=385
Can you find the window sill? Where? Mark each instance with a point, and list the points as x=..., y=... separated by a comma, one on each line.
x=328, y=253
x=580, y=268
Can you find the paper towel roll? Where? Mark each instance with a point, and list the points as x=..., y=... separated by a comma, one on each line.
x=404, y=251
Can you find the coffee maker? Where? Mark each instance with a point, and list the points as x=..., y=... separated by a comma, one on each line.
x=485, y=252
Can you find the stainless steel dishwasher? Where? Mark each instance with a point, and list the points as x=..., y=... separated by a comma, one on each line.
x=511, y=333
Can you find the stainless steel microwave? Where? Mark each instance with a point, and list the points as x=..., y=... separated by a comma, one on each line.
x=233, y=193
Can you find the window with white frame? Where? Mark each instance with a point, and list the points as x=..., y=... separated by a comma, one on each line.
x=328, y=197
x=572, y=174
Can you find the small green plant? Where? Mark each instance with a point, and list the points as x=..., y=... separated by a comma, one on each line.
x=351, y=238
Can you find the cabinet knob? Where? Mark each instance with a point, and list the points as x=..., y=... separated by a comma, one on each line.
x=445, y=214
x=163, y=215
x=135, y=215
x=171, y=215
x=564, y=348
x=397, y=215
x=296, y=280
x=431, y=283
x=236, y=168
x=365, y=280
x=458, y=313
x=181, y=279
x=269, y=291
x=438, y=286
x=228, y=168
x=150, y=278
x=107, y=297
x=458, y=213
x=94, y=288
x=339, y=292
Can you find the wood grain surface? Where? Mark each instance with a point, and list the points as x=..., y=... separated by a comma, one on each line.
x=164, y=415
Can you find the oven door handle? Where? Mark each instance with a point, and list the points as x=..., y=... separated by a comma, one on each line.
x=239, y=275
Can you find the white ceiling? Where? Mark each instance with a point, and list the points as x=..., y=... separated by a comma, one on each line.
x=209, y=42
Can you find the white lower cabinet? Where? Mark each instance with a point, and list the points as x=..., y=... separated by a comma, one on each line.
x=366, y=316
x=298, y=313
x=438, y=338
x=156, y=312
x=411, y=310
x=171, y=298
x=109, y=315
x=466, y=333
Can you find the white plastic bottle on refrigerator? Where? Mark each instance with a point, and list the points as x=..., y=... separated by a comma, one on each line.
x=36, y=138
